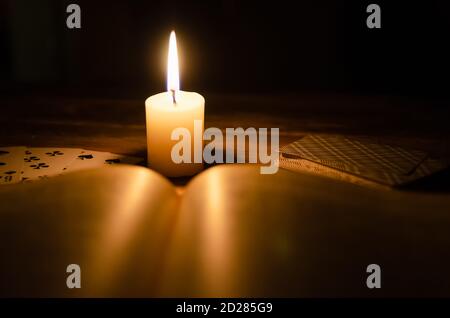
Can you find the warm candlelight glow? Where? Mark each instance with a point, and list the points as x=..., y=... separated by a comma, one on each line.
x=173, y=77
x=172, y=118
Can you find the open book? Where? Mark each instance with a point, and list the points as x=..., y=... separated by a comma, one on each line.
x=232, y=233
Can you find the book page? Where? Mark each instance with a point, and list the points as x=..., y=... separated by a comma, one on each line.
x=114, y=222
x=233, y=233
x=243, y=234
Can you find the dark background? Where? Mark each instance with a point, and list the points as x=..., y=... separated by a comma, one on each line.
x=225, y=46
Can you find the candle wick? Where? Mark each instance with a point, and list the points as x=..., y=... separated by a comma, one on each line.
x=173, y=96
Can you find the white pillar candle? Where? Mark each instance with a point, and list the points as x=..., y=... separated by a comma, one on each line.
x=168, y=111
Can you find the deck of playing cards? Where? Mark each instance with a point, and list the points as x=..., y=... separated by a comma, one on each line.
x=23, y=164
x=358, y=160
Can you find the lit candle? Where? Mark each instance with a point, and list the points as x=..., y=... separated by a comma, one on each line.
x=168, y=111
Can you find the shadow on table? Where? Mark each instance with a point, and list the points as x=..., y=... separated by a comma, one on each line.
x=437, y=183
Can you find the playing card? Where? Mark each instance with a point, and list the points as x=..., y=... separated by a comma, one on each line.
x=428, y=167
x=41, y=163
x=11, y=162
x=307, y=166
x=352, y=155
x=94, y=159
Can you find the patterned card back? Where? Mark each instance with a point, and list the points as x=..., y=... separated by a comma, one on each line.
x=355, y=155
x=388, y=165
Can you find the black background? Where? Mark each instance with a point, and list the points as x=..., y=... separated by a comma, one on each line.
x=225, y=46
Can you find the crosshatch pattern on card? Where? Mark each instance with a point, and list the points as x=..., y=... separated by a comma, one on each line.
x=427, y=168
x=349, y=154
x=344, y=156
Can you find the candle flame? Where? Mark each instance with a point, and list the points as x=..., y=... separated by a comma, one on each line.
x=173, y=76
